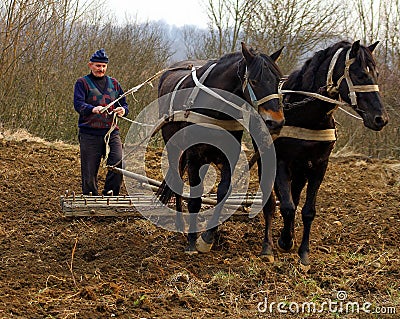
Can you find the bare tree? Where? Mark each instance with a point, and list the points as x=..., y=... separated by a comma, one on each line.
x=197, y=42
x=228, y=19
x=299, y=25
x=369, y=21
x=45, y=46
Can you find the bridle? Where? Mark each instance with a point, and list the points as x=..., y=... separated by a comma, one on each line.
x=333, y=89
x=254, y=101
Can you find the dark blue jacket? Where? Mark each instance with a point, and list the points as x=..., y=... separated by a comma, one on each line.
x=90, y=92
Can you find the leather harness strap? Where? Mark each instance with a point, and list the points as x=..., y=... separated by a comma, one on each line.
x=207, y=121
x=328, y=135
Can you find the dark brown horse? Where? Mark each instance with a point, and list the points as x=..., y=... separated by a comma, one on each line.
x=345, y=72
x=206, y=90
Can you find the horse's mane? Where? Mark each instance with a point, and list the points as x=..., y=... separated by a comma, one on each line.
x=272, y=64
x=366, y=58
x=304, y=78
x=257, y=67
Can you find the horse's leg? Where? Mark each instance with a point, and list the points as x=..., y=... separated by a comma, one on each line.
x=180, y=222
x=299, y=180
x=268, y=210
x=287, y=207
x=172, y=182
x=315, y=177
x=206, y=240
x=194, y=204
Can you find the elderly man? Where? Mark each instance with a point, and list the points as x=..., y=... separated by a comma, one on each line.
x=92, y=93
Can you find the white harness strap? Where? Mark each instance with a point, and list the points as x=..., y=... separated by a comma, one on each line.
x=195, y=91
x=171, y=102
x=328, y=135
x=269, y=98
x=331, y=88
x=353, y=89
x=207, y=121
x=200, y=119
x=206, y=89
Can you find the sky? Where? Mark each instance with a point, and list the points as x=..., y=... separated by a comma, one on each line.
x=173, y=12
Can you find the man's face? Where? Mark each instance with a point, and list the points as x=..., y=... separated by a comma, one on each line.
x=98, y=68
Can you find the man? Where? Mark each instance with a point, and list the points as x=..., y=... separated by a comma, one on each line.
x=91, y=94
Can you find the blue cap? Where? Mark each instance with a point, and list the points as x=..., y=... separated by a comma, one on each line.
x=99, y=56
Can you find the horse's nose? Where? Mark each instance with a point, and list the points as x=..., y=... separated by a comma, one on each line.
x=380, y=121
x=274, y=126
x=274, y=120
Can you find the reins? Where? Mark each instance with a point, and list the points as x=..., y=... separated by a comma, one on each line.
x=137, y=87
x=188, y=116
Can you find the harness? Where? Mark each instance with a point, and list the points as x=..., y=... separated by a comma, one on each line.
x=253, y=97
x=329, y=135
x=203, y=120
x=334, y=89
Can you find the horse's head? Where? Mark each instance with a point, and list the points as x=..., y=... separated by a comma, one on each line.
x=261, y=87
x=356, y=76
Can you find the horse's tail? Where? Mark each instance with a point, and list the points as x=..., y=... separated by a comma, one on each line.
x=164, y=192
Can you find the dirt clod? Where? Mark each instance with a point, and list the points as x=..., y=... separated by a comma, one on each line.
x=88, y=267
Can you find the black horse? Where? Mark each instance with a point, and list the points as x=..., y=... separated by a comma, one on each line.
x=246, y=75
x=345, y=71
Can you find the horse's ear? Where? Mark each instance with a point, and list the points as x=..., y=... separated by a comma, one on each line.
x=248, y=56
x=275, y=56
x=373, y=46
x=355, y=47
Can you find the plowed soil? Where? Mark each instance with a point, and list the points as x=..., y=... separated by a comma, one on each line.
x=124, y=267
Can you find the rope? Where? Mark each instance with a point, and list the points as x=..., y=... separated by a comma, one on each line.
x=137, y=87
x=107, y=138
x=348, y=113
x=323, y=98
x=134, y=89
x=199, y=85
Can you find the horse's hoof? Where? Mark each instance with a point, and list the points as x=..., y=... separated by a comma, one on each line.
x=305, y=263
x=191, y=250
x=268, y=258
x=283, y=249
x=202, y=246
x=267, y=253
x=304, y=268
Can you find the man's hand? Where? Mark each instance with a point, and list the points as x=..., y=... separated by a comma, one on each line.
x=120, y=111
x=97, y=109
